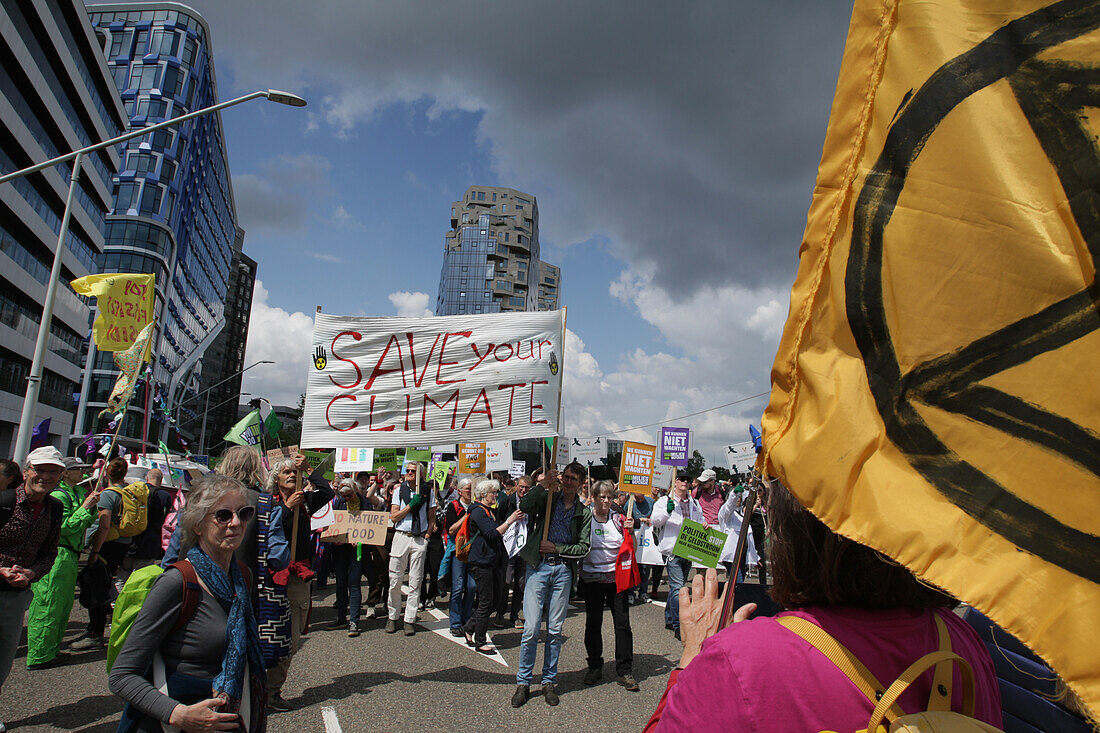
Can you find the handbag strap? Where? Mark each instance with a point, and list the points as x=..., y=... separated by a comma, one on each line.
x=847, y=662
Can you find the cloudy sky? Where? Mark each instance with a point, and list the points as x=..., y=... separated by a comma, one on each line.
x=672, y=148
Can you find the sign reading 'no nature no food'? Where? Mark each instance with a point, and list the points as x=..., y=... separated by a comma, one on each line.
x=385, y=382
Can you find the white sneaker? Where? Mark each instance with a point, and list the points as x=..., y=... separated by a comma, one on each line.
x=370, y=613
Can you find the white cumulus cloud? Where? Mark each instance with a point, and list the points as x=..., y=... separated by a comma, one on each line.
x=411, y=304
x=281, y=337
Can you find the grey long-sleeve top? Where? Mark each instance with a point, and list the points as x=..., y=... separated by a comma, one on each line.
x=197, y=649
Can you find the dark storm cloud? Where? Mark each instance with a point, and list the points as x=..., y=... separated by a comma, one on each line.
x=688, y=133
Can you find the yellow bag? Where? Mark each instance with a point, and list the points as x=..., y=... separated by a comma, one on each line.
x=939, y=718
x=134, y=515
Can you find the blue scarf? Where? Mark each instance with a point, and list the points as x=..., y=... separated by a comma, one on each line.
x=241, y=638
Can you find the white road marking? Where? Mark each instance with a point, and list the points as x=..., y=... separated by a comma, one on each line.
x=332, y=724
x=442, y=625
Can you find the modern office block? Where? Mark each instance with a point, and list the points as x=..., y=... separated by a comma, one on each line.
x=549, y=286
x=491, y=254
x=56, y=96
x=174, y=213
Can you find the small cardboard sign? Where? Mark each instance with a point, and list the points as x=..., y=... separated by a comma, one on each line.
x=519, y=468
x=636, y=470
x=498, y=455
x=287, y=451
x=471, y=457
x=351, y=460
x=663, y=474
x=363, y=528
x=699, y=544
x=387, y=458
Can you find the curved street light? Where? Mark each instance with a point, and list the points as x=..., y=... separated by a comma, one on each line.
x=34, y=379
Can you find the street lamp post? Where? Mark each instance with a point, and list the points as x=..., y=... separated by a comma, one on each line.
x=34, y=379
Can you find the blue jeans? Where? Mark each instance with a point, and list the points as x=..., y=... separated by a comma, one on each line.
x=349, y=587
x=462, y=593
x=678, y=571
x=547, y=590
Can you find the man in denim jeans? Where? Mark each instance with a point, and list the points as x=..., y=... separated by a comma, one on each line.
x=668, y=516
x=549, y=573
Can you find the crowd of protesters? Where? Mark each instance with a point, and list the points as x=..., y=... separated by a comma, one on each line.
x=213, y=641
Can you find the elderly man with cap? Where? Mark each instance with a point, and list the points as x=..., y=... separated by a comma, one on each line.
x=30, y=522
x=668, y=516
x=53, y=594
x=709, y=495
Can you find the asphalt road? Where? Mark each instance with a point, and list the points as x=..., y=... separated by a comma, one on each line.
x=384, y=682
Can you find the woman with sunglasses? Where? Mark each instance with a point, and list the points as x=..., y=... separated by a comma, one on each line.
x=193, y=665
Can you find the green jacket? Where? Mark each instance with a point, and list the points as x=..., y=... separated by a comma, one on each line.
x=75, y=519
x=533, y=504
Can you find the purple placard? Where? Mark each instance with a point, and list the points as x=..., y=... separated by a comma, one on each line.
x=675, y=447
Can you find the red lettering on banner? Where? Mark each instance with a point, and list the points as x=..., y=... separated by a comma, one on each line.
x=454, y=411
x=540, y=347
x=370, y=425
x=511, y=396
x=496, y=352
x=440, y=364
x=407, y=402
x=328, y=407
x=519, y=351
x=480, y=358
x=418, y=380
x=358, y=374
x=487, y=411
x=533, y=405
x=378, y=371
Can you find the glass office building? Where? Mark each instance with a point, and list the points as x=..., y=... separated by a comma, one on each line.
x=491, y=254
x=173, y=212
x=56, y=96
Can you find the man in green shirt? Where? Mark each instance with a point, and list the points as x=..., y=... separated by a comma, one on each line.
x=53, y=593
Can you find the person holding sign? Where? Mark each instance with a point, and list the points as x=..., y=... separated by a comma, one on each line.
x=598, y=573
x=668, y=516
x=551, y=541
x=412, y=510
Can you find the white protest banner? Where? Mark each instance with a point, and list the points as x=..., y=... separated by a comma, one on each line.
x=323, y=517
x=741, y=457
x=498, y=455
x=385, y=382
x=515, y=537
x=648, y=554
x=350, y=460
x=663, y=475
x=519, y=468
x=588, y=451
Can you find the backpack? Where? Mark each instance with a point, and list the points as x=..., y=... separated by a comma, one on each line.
x=133, y=595
x=938, y=718
x=134, y=515
x=463, y=540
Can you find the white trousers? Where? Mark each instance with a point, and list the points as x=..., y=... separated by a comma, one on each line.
x=406, y=552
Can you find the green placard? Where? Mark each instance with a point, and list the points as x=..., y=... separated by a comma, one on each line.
x=417, y=454
x=699, y=544
x=440, y=472
x=387, y=458
x=316, y=458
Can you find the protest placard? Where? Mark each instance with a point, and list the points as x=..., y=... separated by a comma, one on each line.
x=588, y=451
x=741, y=457
x=663, y=475
x=124, y=306
x=675, y=446
x=498, y=455
x=450, y=448
x=699, y=544
x=388, y=458
x=471, y=457
x=562, y=459
x=318, y=458
x=440, y=471
x=418, y=454
x=413, y=381
x=287, y=451
x=515, y=537
x=323, y=517
x=364, y=528
x=636, y=469
x=350, y=460
x=519, y=468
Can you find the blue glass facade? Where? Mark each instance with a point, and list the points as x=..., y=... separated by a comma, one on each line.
x=58, y=97
x=491, y=254
x=173, y=211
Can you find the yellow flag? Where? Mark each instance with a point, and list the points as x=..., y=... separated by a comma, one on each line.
x=129, y=364
x=936, y=392
x=124, y=307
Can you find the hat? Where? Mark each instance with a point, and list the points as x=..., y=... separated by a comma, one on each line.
x=47, y=456
x=71, y=462
x=683, y=476
x=707, y=475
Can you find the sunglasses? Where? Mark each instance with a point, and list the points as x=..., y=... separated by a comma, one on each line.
x=225, y=516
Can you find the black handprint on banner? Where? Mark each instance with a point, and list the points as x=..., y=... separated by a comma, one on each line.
x=320, y=358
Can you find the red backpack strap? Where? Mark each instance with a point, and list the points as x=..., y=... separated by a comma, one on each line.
x=245, y=573
x=192, y=592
